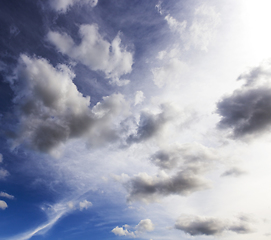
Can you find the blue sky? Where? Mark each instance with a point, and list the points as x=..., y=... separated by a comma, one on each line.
x=135, y=119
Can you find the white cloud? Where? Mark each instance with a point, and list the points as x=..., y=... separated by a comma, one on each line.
x=84, y=205
x=1, y=158
x=139, y=97
x=96, y=53
x=64, y=5
x=3, y=173
x=145, y=225
x=170, y=72
x=6, y=195
x=3, y=205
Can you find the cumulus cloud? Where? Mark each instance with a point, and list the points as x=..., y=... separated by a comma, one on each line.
x=51, y=109
x=234, y=172
x=197, y=225
x=139, y=97
x=151, y=124
x=64, y=5
x=143, y=187
x=84, y=205
x=3, y=173
x=3, y=205
x=192, y=155
x=6, y=195
x=188, y=162
x=247, y=112
x=96, y=53
x=145, y=225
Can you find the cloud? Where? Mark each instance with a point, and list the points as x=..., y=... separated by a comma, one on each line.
x=139, y=97
x=169, y=72
x=234, y=171
x=95, y=52
x=52, y=111
x=85, y=205
x=3, y=205
x=247, y=111
x=197, y=225
x=197, y=32
x=6, y=195
x=1, y=158
x=192, y=155
x=3, y=173
x=145, y=225
x=151, y=124
x=188, y=162
x=64, y=5
x=143, y=187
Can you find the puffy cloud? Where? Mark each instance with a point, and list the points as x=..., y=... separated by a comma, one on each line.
x=146, y=188
x=6, y=195
x=95, y=52
x=234, y=171
x=151, y=124
x=52, y=111
x=64, y=5
x=139, y=97
x=3, y=205
x=192, y=155
x=3, y=173
x=247, y=112
x=197, y=225
x=145, y=225
x=85, y=205
x=189, y=162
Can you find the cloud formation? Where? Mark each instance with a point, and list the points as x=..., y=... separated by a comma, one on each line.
x=6, y=195
x=52, y=111
x=95, y=52
x=247, y=112
x=3, y=205
x=145, y=225
x=64, y=5
x=234, y=172
x=211, y=226
x=191, y=161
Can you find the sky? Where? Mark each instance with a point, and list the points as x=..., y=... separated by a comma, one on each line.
x=135, y=119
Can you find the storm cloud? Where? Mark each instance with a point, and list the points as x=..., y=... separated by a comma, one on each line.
x=247, y=112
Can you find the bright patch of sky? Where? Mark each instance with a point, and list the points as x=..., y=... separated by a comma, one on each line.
x=135, y=119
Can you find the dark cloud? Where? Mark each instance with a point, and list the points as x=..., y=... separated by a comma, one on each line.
x=148, y=189
x=186, y=155
x=196, y=225
x=51, y=110
x=247, y=111
x=151, y=124
x=234, y=171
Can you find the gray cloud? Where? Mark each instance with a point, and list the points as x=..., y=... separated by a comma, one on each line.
x=247, y=111
x=151, y=124
x=186, y=155
x=148, y=189
x=52, y=111
x=234, y=171
x=197, y=225
x=191, y=161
